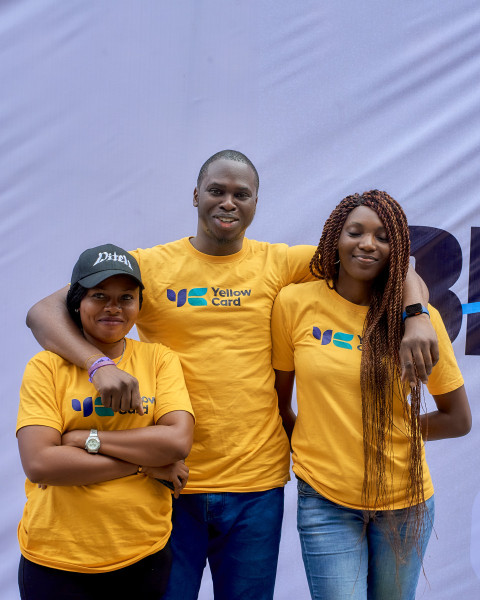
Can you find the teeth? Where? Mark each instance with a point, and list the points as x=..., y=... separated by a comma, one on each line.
x=226, y=220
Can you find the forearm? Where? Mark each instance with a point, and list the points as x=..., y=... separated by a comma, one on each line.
x=149, y=446
x=284, y=386
x=437, y=425
x=153, y=446
x=64, y=465
x=414, y=291
x=452, y=419
x=54, y=330
x=288, y=422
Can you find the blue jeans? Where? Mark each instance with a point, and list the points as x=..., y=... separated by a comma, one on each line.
x=239, y=534
x=349, y=556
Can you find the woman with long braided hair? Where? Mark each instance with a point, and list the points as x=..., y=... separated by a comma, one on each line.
x=365, y=505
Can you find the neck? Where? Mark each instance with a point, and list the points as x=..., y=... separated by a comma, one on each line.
x=215, y=247
x=113, y=350
x=356, y=292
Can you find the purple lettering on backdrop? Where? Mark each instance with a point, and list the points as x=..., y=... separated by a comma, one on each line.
x=438, y=261
x=472, y=343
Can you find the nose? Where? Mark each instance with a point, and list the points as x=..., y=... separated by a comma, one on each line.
x=112, y=306
x=367, y=242
x=228, y=203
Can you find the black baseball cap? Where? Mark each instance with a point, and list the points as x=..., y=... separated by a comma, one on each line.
x=97, y=264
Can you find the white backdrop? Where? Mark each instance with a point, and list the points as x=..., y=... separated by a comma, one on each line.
x=108, y=109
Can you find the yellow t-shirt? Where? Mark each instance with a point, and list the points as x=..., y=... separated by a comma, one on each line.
x=317, y=333
x=214, y=311
x=110, y=525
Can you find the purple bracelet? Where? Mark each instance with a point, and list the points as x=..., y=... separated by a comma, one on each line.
x=103, y=361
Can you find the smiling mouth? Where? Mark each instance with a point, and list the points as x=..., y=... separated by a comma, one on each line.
x=111, y=321
x=226, y=221
x=366, y=259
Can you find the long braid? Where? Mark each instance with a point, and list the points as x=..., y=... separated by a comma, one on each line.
x=380, y=363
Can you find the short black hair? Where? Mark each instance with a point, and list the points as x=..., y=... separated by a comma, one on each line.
x=76, y=294
x=227, y=155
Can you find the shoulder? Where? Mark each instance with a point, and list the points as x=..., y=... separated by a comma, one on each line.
x=49, y=360
x=302, y=250
x=302, y=290
x=294, y=297
x=155, y=252
x=45, y=368
x=154, y=351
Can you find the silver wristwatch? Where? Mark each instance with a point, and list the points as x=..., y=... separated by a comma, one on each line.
x=92, y=443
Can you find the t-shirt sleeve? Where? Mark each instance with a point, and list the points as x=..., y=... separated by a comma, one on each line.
x=299, y=258
x=171, y=392
x=38, y=401
x=446, y=375
x=282, y=346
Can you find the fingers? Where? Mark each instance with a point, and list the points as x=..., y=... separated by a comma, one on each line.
x=417, y=366
x=118, y=389
x=434, y=352
x=418, y=350
x=177, y=486
x=179, y=477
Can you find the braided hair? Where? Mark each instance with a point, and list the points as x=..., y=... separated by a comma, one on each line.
x=380, y=363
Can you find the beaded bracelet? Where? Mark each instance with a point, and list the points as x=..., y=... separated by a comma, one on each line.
x=103, y=361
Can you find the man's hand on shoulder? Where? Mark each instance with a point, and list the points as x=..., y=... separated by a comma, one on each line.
x=119, y=390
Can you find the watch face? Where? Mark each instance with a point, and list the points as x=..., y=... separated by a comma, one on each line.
x=93, y=445
x=413, y=309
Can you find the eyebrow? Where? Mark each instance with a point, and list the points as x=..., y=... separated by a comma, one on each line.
x=362, y=225
x=222, y=185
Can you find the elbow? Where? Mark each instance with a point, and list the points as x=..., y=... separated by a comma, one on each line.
x=34, y=317
x=30, y=317
x=182, y=447
x=461, y=426
x=36, y=473
x=464, y=426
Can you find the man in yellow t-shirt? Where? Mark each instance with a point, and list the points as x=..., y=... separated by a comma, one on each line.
x=209, y=298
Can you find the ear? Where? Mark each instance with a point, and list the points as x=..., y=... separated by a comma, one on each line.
x=195, y=197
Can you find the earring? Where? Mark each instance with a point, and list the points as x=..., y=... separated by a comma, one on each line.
x=337, y=262
x=77, y=310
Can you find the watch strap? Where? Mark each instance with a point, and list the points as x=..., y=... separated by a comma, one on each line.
x=414, y=311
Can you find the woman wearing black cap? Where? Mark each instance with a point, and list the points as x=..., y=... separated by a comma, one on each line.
x=97, y=522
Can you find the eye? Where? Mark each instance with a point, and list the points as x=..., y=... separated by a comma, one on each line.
x=215, y=191
x=382, y=238
x=127, y=297
x=98, y=295
x=353, y=234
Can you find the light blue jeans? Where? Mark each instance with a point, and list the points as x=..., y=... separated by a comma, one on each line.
x=347, y=558
x=239, y=535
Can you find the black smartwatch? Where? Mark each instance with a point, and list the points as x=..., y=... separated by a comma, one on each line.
x=412, y=310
